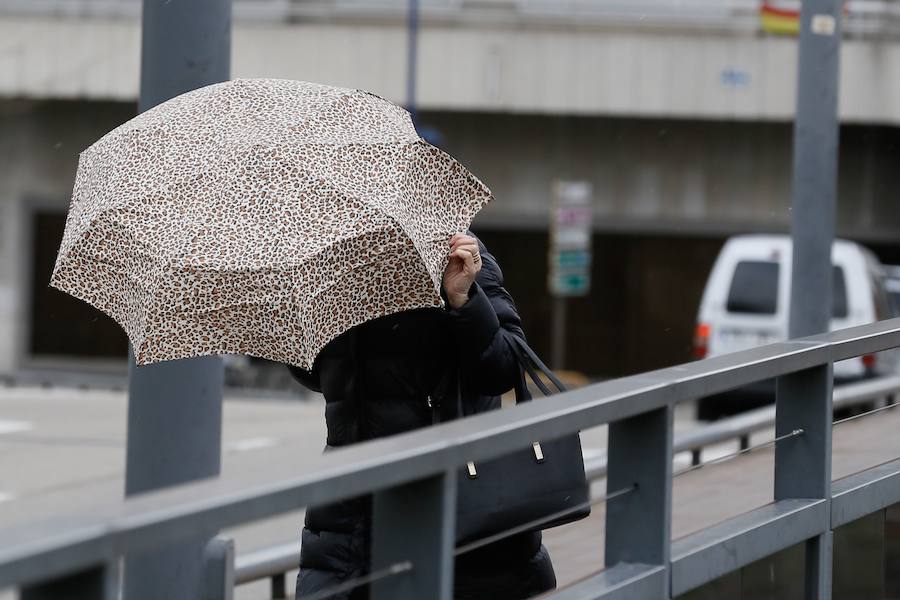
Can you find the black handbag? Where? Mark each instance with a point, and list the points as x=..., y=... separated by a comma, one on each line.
x=538, y=487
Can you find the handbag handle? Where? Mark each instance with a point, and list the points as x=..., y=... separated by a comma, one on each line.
x=530, y=365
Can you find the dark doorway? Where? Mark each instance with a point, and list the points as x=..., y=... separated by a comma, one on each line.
x=60, y=324
x=642, y=309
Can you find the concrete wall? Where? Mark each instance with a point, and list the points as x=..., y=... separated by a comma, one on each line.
x=669, y=176
x=477, y=61
x=39, y=146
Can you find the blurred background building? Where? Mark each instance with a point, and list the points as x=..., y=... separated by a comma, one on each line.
x=677, y=111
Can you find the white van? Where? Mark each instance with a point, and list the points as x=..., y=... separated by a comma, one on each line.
x=745, y=304
x=893, y=287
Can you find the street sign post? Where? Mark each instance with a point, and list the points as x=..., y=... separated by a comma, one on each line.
x=569, y=272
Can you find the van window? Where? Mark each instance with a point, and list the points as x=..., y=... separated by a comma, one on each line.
x=839, y=294
x=754, y=287
x=895, y=298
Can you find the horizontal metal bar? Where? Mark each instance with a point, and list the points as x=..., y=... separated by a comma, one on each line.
x=708, y=554
x=621, y=582
x=74, y=546
x=759, y=419
x=865, y=339
x=267, y=562
x=207, y=507
x=863, y=391
x=864, y=493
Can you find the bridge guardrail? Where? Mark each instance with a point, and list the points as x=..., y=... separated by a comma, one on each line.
x=275, y=562
x=413, y=479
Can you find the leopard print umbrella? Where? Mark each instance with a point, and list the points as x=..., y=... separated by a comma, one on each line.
x=261, y=217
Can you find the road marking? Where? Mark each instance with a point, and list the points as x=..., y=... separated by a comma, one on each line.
x=248, y=444
x=15, y=426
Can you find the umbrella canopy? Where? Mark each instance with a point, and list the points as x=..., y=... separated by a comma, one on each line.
x=261, y=217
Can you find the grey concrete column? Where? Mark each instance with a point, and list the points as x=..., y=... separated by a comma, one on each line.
x=175, y=408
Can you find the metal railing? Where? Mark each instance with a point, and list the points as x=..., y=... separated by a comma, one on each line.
x=273, y=563
x=413, y=478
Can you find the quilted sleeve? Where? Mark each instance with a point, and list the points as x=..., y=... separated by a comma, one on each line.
x=482, y=328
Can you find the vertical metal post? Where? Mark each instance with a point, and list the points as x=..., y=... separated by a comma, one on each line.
x=175, y=408
x=803, y=463
x=219, y=559
x=638, y=524
x=278, y=587
x=412, y=56
x=184, y=46
x=98, y=583
x=695, y=456
x=815, y=167
x=416, y=524
x=558, y=351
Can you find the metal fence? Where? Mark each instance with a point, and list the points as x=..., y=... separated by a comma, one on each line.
x=413, y=478
x=273, y=563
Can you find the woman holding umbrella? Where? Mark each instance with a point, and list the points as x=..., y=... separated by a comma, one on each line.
x=308, y=225
x=377, y=380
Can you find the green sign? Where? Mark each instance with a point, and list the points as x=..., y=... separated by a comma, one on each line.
x=570, y=282
x=572, y=259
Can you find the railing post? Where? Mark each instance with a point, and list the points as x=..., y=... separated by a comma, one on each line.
x=803, y=463
x=278, y=586
x=415, y=523
x=99, y=583
x=219, y=559
x=638, y=524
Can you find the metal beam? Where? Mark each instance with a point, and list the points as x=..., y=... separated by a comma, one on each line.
x=815, y=166
x=415, y=524
x=638, y=524
x=621, y=582
x=863, y=493
x=175, y=407
x=708, y=554
x=803, y=463
x=218, y=562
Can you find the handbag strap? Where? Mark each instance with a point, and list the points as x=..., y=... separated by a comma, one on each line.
x=530, y=365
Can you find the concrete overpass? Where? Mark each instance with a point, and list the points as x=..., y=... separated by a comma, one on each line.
x=703, y=59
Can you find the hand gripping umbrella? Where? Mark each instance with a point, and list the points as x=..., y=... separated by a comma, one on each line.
x=261, y=217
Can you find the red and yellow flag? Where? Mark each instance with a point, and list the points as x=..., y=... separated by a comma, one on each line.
x=781, y=18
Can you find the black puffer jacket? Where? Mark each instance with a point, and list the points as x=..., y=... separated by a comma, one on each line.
x=376, y=379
